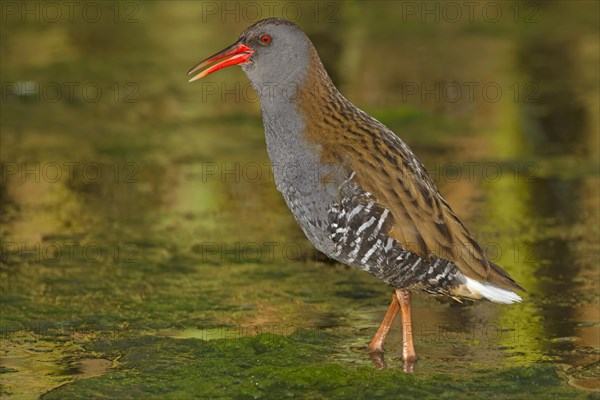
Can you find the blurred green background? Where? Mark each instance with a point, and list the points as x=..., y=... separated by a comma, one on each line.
x=147, y=254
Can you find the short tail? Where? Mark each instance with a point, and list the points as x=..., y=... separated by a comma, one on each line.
x=491, y=292
x=498, y=287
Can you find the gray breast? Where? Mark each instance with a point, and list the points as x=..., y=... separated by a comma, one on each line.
x=309, y=187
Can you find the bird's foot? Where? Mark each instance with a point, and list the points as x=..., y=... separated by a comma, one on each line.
x=378, y=360
x=408, y=366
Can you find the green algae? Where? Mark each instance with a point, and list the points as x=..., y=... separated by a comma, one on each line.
x=272, y=366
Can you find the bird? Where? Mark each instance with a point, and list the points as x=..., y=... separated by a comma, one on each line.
x=356, y=189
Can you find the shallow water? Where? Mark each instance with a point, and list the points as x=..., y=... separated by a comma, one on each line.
x=147, y=254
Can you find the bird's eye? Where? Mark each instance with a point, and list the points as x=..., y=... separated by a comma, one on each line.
x=266, y=39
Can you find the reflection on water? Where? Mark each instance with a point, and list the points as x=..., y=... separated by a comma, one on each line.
x=556, y=122
x=149, y=209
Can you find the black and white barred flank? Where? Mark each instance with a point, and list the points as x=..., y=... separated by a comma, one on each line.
x=359, y=228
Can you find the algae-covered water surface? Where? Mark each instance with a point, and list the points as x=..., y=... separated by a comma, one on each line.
x=146, y=252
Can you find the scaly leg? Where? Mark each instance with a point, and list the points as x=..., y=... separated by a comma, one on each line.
x=408, y=345
x=376, y=345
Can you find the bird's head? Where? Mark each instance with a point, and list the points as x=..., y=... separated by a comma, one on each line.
x=272, y=50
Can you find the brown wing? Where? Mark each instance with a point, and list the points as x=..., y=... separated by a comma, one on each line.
x=424, y=223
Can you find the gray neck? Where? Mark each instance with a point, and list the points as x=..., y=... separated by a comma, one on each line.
x=276, y=85
x=283, y=121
